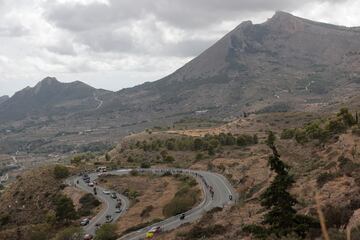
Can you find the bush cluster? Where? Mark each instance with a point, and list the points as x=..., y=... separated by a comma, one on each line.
x=206, y=143
x=183, y=201
x=88, y=202
x=322, y=131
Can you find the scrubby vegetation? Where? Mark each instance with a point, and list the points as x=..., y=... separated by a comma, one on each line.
x=61, y=172
x=322, y=130
x=206, y=143
x=88, y=203
x=184, y=199
x=106, y=232
x=65, y=209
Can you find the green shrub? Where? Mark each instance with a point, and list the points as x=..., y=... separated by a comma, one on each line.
x=134, y=173
x=314, y=131
x=323, y=178
x=246, y=140
x=61, y=172
x=287, y=133
x=146, y=211
x=199, y=156
x=88, y=202
x=40, y=232
x=130, y=159
x=169, y=159
x=347, y=166
x=183, y=201
x=145, y=165
x=356, y=131
x=4, y=219
x=70, y=233
x=346, y=117
x=257, y=231
x=65, y=209
x=106, y=232
x=300, y=136
x=198, y=232
x=335, y=126
x=338, y=216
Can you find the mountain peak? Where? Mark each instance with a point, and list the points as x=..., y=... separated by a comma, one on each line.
x=49, y=80
x=283, y=21
x=282, y=15
x=45, y=83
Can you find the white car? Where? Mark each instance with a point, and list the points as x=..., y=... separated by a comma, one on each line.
x=84, y=222
x=91, y=184
x=106, y=192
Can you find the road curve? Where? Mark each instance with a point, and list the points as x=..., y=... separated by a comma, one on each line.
x=110, y=203
x=209, y=181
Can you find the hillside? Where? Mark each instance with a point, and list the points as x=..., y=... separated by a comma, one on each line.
x=3, y=99
x=284, y=64
x=50, y=97
x=322, y=158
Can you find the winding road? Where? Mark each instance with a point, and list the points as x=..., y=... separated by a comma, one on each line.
x=209, y=181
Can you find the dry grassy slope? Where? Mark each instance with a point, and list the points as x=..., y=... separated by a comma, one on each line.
x=29, y=199
x=247, y=168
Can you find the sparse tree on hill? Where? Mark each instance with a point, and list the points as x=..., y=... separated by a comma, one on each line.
x=281, y=218
x=107, y=157
x=61, y=172
x=65, y=209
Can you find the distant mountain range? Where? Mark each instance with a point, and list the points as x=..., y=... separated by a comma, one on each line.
x=287, y=63
x=50, y=97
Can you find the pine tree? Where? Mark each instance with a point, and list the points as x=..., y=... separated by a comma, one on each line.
x=282, y=218
x=277, y=198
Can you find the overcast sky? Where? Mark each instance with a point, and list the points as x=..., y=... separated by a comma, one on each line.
x=114, y=44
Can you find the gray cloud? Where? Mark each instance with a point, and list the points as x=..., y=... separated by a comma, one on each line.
x=97, y=24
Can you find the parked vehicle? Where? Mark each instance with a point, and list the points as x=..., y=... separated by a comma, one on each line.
x=91, y=184
x=118, y=210
x=106, y=192
x=182, y=216
x=84, y=222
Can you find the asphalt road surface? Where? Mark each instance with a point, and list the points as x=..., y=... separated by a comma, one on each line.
x=216, y=188
x=106, y=199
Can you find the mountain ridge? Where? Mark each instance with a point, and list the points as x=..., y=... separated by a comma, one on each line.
x=286, y=63
x=52, y=97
